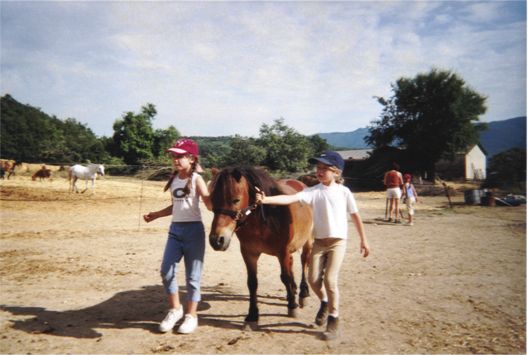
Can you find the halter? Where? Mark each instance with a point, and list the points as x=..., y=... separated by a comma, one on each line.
x=239, y=216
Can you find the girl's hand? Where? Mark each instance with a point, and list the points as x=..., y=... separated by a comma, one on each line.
x=151, y=216
x=259, y=196
x=364, y=249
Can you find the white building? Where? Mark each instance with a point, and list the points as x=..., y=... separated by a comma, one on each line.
x=470, y=165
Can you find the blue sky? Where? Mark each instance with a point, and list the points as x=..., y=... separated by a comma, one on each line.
x=225, y=68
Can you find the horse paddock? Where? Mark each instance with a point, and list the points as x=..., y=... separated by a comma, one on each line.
x=80, y=274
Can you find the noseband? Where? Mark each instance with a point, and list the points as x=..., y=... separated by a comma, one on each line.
x=239, y=216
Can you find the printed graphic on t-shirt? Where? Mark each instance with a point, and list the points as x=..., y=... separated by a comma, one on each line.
x=180, y=193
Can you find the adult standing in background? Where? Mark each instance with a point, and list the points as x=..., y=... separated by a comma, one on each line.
x=393, y=182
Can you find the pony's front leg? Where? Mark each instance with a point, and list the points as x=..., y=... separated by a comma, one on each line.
x=287, y=277
x=252, y=319
x=303, y=285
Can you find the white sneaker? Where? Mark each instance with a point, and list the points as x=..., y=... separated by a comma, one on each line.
x=189, y=325
x=173, y=316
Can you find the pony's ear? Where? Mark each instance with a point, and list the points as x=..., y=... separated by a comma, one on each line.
x=237, y=175
x=214, y=172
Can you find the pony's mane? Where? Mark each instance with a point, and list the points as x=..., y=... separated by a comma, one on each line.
x=256, y=178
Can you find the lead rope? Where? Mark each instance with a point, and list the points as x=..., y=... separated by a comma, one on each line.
x=263, y=216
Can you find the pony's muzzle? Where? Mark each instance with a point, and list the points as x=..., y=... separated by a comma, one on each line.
x=219, y=242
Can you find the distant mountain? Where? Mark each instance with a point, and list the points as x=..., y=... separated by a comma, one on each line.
x=504, y=135
x=347, y=140
x=498, y=137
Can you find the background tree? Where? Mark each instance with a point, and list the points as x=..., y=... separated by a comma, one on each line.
x=213, y=150
x=244, y=151
x=163, y=139
x=30, y=135
x=318, y=145
x=134, y=137
x=286, y=149
x=81, y=144
x=431, y=116
x=508, y=170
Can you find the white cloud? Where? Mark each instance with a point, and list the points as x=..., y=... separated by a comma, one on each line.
x=221, y=68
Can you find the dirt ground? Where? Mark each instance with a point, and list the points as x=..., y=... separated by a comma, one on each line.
x=79, y=274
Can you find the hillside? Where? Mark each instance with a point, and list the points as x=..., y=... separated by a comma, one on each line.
x=498, y=137
x=504, y=135
x=353, y=139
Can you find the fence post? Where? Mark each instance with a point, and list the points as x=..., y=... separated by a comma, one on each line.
x=141, y=198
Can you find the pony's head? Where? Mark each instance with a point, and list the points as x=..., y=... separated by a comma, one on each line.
x=101, y=170
x=233, y=199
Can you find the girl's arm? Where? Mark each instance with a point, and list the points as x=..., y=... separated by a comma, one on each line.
x=415, y=194
x=260, y=197
x=151, y=216
x=203, y=191
x=364, y=247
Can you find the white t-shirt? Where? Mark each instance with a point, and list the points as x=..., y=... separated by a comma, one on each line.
x=330, y=205
x=185, y=208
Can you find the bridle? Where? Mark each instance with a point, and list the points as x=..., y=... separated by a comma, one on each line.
x=239, y=216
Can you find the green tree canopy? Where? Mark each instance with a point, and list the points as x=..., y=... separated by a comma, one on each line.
x=81, y=143
x=244, y=151
x=432, y=116
x=508, y=169
x=134, y=136
x=163, y=139
x=213, y=150
x=30, y=135
x=286, y=149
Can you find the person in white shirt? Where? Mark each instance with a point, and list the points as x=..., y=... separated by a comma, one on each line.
x=331, y=202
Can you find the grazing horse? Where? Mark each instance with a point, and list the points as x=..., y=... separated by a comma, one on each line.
x=84, y=172
x=42, y=174
x=273, y=230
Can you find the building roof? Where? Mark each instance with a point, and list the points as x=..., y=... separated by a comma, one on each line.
x=355, y=154
x=470, y=147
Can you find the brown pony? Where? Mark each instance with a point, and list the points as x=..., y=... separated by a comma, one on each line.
x=273, y=230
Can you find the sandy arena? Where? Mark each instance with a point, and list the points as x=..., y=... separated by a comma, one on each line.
x=79, y=274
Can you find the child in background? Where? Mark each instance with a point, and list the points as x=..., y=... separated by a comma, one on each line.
x=187, y=237
x=409, y=197
x=331, y=202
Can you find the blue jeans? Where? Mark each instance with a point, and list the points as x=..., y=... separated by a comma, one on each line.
x=186, y=240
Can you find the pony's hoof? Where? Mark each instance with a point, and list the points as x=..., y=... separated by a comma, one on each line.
x=293, y=312
x=302, y=302
x=250, y=326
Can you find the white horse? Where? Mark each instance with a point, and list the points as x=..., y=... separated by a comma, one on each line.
x=84, y=172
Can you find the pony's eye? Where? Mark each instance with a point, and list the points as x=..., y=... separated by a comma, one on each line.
x=236, y=201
